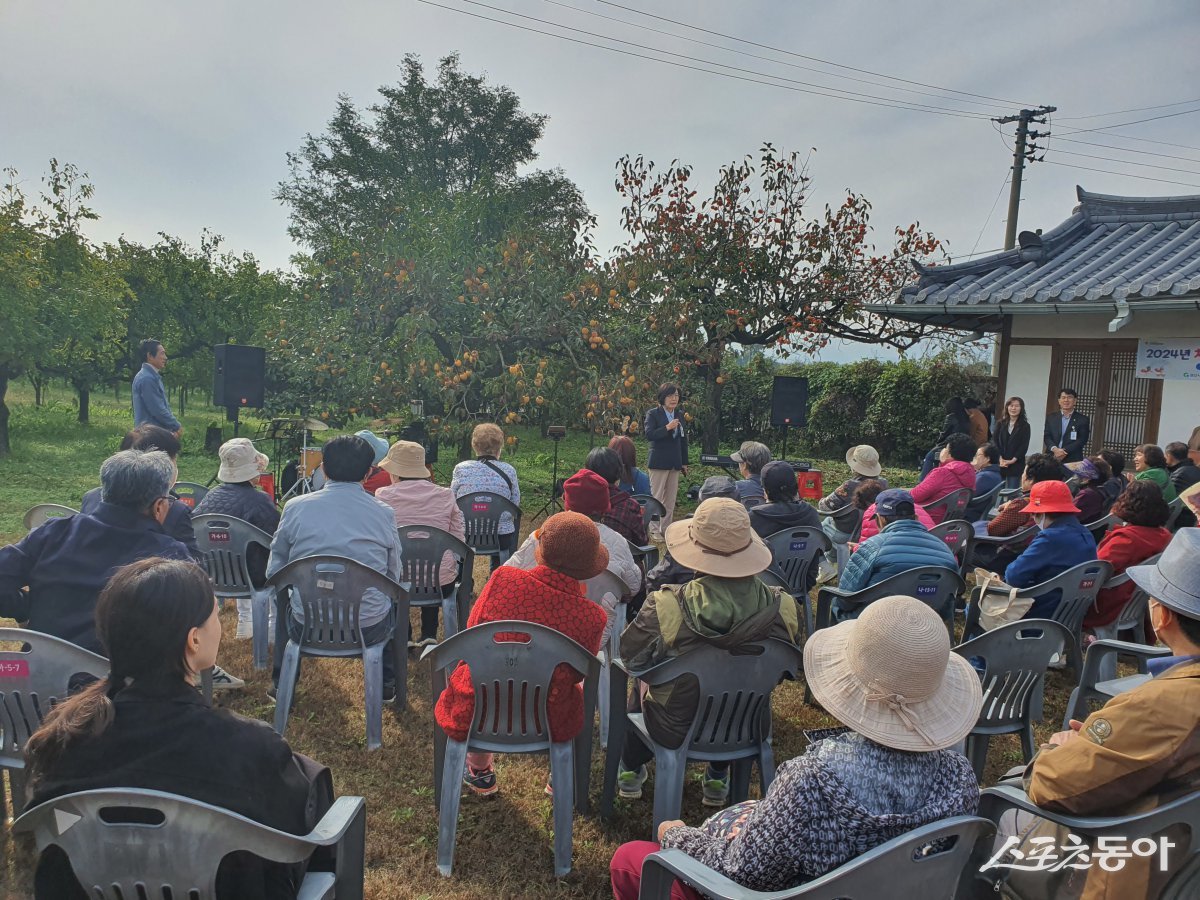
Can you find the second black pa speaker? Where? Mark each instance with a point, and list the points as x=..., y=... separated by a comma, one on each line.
x=238, y=375
x=789, y=401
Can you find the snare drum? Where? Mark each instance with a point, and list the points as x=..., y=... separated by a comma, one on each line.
x=310, y=461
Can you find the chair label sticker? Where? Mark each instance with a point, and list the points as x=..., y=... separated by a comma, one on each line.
x=14, y=668
x=797, y=546
x=325, y=585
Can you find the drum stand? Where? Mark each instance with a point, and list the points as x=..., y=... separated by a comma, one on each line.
x=304, y=484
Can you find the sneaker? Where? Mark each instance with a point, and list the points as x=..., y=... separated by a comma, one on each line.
x=629, y=784
x=223, y=681
x=389, y=692
x=430, y=641
x=412, y=645
x=716, y=788
x=271, y=691
x=482, y=783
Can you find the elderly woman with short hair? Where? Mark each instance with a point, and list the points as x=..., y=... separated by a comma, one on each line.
x=487, y=473
x=1150, y=463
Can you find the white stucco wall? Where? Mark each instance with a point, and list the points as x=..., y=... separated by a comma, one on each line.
x=1180, y=411
x=1029, y=378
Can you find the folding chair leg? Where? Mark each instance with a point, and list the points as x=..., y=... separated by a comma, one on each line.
x=287, y=685
x=399, y=669
x=260, y=602
x=603, y=703
x=977, y=752
x=562, y=773
x=670, y=766
x=766, y=767
x=373, y=681
x=452, y=785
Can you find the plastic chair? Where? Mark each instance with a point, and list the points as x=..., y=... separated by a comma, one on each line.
x=482, y=512
x=1176, y=507
x=934, y=585
x=33, y=678
x=652, y=509
x=732, y=720
x=954, y=504
x=795, y=551
x=330, y=590
x=423, y=548
x=959, y=535
x=511, y=665
x=1133, y=614
x=189, y=493
x=1181, y=814
x=646, y=555
x=224, y=542
x=606, y=584
x=163, y=845
x=1015, y=542
x=981, y=503
x=1015, y=658
x=1099, y=681
x=1078, y=587
x=1099, y=526
x=39, y=515
x=847, y=520
x=927, y=862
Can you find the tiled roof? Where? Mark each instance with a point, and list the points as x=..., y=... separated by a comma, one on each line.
x=1111, y=249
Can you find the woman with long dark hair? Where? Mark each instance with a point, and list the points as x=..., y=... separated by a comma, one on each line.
x=146, y=726
x=1011, y=437
x=633, y=480
x=664, y=430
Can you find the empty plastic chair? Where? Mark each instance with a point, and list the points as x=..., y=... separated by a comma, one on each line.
x=423, y=550
x=224, y=542
x=42, y=513
x=482, y=512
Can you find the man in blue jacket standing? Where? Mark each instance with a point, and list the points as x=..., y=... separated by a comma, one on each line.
x=150, y=405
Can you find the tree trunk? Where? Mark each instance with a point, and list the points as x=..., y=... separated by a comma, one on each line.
x=39, y=389
x=85, y=397
x=711, y=439
x=5, y=448
x=182, y=400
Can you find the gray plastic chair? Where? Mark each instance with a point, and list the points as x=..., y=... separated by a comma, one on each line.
x=652, y=509
x=331, y=589
x=423, y=550
x=1176, y=507
x=122, y=857
x=42, y=513
x=981, y=503
x=936, y=586
x=482, y=512
x=511, y=666
x=1182, y=814
x=646, y=555
x=224, y=542
x=33, y=678
x=1133, y=614
x=1015, y=658
x=732, y=721
x=597, y=588
x=959, y=535
x=927, y=862
x=189, y=493
x=795, y=551
x=1099, y=526
x=1099, y=681
x=847, y=520
x=1078, y=587
x=954, y=503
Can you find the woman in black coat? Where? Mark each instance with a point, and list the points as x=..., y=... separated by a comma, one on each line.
x=1011, y=437
x=667, y=436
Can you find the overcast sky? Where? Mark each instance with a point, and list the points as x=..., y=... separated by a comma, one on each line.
x=182, y=113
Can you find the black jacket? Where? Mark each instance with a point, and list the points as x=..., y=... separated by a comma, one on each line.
x=666, y=452
x=244, y=501
x=1012, y=446
x=953, y=424
x=768, y=518
x=1053, y=435
x=1183, y=476
x=178, y=523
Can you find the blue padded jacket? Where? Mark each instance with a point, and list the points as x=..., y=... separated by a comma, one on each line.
x=902, y=545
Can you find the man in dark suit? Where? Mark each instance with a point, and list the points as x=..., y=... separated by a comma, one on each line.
x=1067, y=431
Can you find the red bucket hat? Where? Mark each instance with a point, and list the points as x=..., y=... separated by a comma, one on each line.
x=586, y=492
x=1050, y=497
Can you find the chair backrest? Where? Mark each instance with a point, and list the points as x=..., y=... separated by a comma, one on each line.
x=772, y=577
x=935, y=586
x=651, y=509
x=223, y=542
x=189, y=493
x=33, y=678
x=1176, y=507
x=42, y=513
x=1079, y=586
x=511, y=665
x=959, y=535
x=1135, y=609
x=331, y=589
x=1015, y=658
x=125, y=844
x=981, y=503
x=795, y=551
x=481, y=514
x=954, y=503
x=848, y=520
x=1099, y=526
x=423, y=549
x=733, y=711
x=606, y=583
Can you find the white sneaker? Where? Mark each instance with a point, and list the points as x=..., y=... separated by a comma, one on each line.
x=223, y=681
x=245, y=625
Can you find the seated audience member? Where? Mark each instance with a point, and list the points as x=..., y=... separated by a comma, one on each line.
x=979, y=425
x=725, y=606
x=1091, y=499
x=1143, y=513
x=66, y=563
x=1061, y=543
x=783, y=508
x=633, y=480
x=624, y=515
x=1150, y=464
x=905, y=700
x=987, y=468
x=146, y=727
x=751, y=457
x=487, y=473
x=238, y=495
x=1120, y=479
x=341, y=519
x=864, y=499
x=1011, y=517
x=1184, y=473
x=1138, y=752
x=863, y=461
x=377, y=477
x=550, y=593
x=954, y=473
x=903, y=543
x=416, y=500
x=178, y=523
x=669, y=570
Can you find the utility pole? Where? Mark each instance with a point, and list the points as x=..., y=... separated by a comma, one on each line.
x=1021, y=154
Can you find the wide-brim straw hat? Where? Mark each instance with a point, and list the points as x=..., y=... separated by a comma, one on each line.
x=718, y=540
x=890, y=675
x=1175, y=580
x=864, y=460
x=405, y=459
x=240, y=461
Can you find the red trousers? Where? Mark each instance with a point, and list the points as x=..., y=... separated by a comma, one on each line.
x=626, y=872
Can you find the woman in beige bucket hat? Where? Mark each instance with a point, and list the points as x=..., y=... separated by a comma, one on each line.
x=891, y=678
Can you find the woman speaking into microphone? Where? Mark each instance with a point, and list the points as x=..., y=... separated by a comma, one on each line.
x=668, y=449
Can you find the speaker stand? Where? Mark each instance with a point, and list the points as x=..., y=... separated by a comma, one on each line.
x=787, y=426
x=231, y=415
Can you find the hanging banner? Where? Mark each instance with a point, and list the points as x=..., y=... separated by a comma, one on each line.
x=1169, y=359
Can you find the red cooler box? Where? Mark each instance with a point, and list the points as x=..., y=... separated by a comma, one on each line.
x=810, y=484
x=266, y=481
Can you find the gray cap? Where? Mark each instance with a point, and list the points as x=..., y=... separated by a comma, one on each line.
x=717, y=486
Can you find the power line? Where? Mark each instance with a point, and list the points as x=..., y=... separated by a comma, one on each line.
x=809, y=58
x=1130, y=137
x=1128, y=149
x=1128, y=162
x=988, y=220
x=1052, y=162
x=1183, y=112
x=889, y=103
x=1119, y=112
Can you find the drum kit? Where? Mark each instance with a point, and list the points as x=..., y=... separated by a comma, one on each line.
x=302, y=473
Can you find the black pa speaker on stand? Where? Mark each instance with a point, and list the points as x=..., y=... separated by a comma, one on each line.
x=789, y=405
x=239, y=379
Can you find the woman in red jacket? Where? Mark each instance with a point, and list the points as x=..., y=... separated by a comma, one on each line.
x=568, y=552
x=1144, y=511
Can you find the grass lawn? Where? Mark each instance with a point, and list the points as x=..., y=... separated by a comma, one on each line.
x=504, y=842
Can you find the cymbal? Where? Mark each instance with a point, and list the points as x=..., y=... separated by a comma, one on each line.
x=314, y=425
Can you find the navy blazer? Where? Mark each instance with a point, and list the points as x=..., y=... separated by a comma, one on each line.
x=1054, y=434
x=666, y=452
